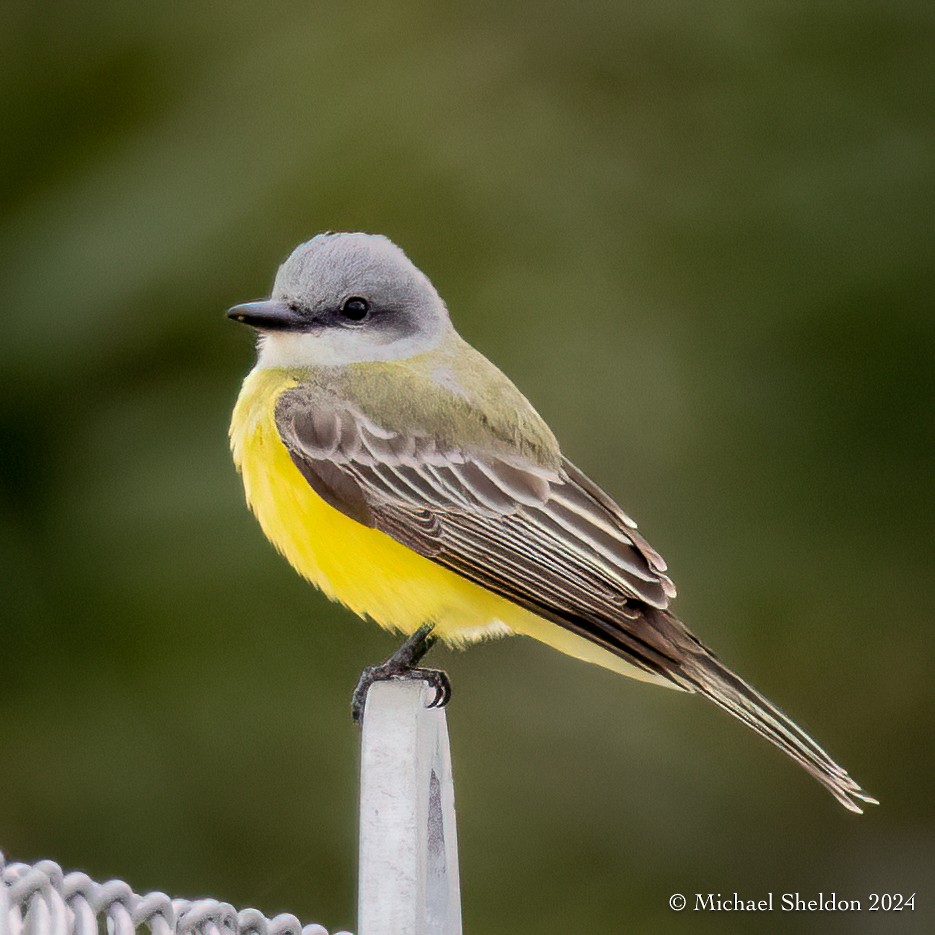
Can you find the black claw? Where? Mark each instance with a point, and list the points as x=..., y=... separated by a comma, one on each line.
x=438, y=680
x=403, y=664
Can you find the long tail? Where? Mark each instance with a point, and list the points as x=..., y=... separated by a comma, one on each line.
x=665, y=651
x=661, y=644
x=708, y=676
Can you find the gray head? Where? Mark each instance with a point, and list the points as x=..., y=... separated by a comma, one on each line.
x=343, y=298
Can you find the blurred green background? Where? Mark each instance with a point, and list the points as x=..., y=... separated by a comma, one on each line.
x=698, y=236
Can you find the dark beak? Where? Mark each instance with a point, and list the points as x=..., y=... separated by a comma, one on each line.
x=268, y=315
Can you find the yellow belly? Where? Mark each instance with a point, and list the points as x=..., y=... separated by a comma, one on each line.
x=363, y=568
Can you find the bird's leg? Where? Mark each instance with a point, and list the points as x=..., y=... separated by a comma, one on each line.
x=404, y=664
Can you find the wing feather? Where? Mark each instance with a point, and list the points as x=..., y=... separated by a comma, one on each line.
x=539, y=536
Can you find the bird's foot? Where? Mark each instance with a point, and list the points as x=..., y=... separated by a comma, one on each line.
x=403, y=665
x=436, y=679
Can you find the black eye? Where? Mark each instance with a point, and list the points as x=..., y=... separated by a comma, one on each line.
x=355, y=308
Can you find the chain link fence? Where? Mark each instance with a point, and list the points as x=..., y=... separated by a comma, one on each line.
x=408, y=871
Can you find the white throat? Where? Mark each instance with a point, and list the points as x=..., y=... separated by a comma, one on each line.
x=291, y=350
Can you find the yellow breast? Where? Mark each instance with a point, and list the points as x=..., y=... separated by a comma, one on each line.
x=362, y=568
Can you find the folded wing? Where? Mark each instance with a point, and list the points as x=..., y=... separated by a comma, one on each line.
x=546, y=539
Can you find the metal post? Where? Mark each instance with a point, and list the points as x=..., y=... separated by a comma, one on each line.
x=408, y=872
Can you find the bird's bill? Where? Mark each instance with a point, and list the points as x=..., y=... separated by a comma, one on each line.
x=267, y=315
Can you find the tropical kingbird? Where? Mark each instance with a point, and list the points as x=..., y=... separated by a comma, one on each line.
x=401, y=472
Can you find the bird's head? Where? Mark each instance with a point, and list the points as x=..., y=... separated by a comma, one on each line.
x=342, y=298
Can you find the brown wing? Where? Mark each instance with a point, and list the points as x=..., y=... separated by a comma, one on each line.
x=549, y=540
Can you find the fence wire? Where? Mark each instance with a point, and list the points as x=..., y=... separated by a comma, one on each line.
x=40, y=899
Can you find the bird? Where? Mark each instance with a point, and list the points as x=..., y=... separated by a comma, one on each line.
x=402, y=473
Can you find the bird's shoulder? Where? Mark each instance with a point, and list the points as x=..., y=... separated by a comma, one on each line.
x=452, y=396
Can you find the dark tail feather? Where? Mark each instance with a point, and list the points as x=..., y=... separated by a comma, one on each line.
x=660, y=644
x=708, y=676
x=693, y=667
